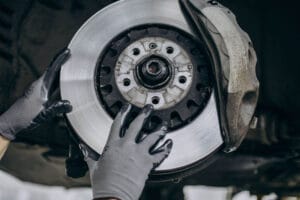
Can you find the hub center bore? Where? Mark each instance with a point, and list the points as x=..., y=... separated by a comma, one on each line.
x=153, y=72
x=154, y=67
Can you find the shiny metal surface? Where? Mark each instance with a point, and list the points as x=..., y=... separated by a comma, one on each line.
x=191, y=143
x=167, y=96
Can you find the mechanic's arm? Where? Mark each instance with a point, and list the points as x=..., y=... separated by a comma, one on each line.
x=36, y=106
x=128, y=157
x=3, y=146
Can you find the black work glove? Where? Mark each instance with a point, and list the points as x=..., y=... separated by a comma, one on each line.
x=124, y=166
x=35, y=107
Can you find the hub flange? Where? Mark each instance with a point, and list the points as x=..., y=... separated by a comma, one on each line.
x=158, y=65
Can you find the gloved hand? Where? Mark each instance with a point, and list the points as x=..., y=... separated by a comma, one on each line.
x=124, y=166
x=36, y=105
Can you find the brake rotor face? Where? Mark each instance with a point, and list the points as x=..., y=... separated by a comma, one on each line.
x=106, y=70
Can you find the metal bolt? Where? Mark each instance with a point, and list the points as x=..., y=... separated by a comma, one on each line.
x=152, y=45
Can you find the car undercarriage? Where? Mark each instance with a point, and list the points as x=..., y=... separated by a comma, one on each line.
x=33, y=31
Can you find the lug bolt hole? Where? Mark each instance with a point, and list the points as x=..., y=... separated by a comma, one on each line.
x=126, y=82
x=152, y=45
x=136, y=52
x=170, y=50
x=182, y=79
x=155, y=100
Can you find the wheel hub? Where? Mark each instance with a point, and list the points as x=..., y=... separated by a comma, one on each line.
x=154, y=70
x=158, y=65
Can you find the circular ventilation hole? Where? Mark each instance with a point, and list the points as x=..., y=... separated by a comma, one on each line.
x=105, y=70
x=155, y=100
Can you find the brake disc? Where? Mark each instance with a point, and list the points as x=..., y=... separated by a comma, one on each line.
x=143, y=52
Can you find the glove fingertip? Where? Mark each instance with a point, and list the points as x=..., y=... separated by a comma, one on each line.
x=168, y=147
x=163, y=153
x=64, y=55
x=67, y=106
x=165, y=148
x=122, y=115
x=62, y=107
x=169, y=144
x=164, y=128
x=126, y=108
x=147, y=110
x=67, y=51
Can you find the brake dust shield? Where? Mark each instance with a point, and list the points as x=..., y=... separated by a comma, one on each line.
x=96, y=98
